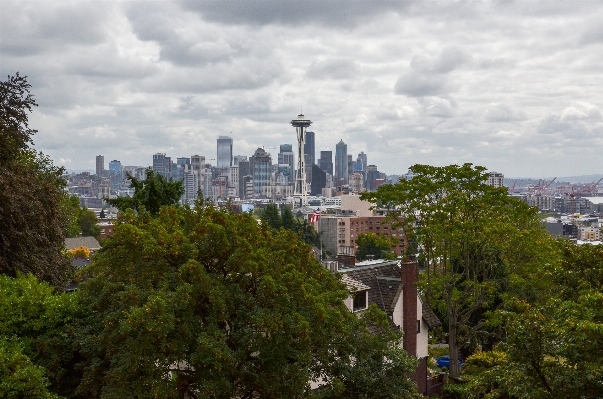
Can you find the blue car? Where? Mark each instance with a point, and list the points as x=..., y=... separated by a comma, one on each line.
x=444, y=361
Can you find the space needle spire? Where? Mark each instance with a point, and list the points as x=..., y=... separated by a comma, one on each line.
x=301, y=186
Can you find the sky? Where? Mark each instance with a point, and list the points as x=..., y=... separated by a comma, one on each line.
x=515, y=86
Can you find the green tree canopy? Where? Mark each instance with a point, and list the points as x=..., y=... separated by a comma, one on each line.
x=37, y=355
x=464, y=228
x=271, y=216
x=87, y=222
x=371, y=244
x=151, y=193
x=32, y=198
x=208, y=302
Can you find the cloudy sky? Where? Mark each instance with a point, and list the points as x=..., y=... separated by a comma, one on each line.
x=514, y=86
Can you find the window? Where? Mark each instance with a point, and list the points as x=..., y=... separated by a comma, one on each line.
x=360, y=300
x=418, y=326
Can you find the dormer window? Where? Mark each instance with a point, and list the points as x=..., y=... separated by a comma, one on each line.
x=360, y=300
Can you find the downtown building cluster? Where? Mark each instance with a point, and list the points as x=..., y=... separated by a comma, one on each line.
x=254, y=177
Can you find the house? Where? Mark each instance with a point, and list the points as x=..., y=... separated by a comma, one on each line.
x=391, y=285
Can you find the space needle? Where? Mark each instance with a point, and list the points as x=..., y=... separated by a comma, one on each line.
x=301, y=186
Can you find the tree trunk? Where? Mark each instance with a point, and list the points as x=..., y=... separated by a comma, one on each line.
x=454, y=370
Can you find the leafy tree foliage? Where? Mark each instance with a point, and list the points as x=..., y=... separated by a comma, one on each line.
x=32, y=198
x=71, y=206
x=554, y=347
x=15, y=102
x=87, y=222
x=271, y=216
x=209, y=304
x=37, y=355
x=19, y=377
x=464, y=229
x=151, y=193
x=289, y=222
x=371, y=244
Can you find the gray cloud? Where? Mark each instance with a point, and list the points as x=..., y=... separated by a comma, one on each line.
x=514, y=86
x=428, y=75
x=263, y=12
x=339, y=68
x=504, y=113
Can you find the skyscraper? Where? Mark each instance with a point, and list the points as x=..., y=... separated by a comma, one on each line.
x=341, y=161
x=261, y=168
x=100, y=165
x=224, y=158
x=326, y=161
x=310, y=150
x=115, y=172
x=160, y=165
x=238, y=158
x=286, y=156
x=362, y=159
x=244, y=172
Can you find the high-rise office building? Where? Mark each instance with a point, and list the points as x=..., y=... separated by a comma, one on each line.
x=233, y=180
x=224, y=158
x=363, y=161
x=244, y=172
x=261, y=168
x=115, y=173
x=319, y=180
x=310, y=150
x=190, y=183
x=350, y=166
x=160, y=165
x=341, y=161
x=100, y=165
x=326, y=161
x=496, y=179
x=287, y=157
x=238, y=158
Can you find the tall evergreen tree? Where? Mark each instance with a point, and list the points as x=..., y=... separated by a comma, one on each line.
x=32, y=198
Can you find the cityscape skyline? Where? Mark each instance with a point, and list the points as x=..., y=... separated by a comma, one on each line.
x=512, y=86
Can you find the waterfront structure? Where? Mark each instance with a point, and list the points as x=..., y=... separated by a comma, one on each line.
x=301, y=186
x=224, y=156
x=341, y=162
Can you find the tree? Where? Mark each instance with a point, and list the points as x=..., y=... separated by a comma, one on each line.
x=15, y=102
x=32, y=197
x=87, y=221
x=554, y=346
x=71, y=206
x=151, y=193
x=37, y=353
x=271, y=217
x=289, y=222
x=371, y=244
x=463, y=228
x=206, y=303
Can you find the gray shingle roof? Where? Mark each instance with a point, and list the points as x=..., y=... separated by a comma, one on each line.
x=89, y=242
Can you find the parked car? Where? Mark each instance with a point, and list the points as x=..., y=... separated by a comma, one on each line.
x=444, y=361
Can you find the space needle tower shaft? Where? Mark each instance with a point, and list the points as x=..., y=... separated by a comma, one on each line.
x=301, y=186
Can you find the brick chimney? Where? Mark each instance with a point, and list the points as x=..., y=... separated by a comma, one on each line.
x=410, y=276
